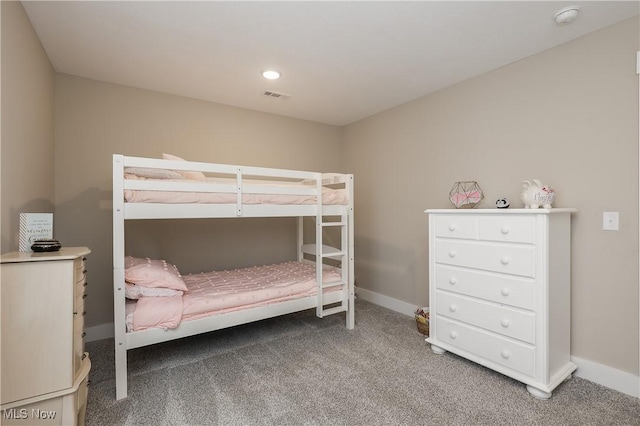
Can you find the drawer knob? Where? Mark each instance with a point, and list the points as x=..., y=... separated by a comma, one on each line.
x=453, y=334
x=504, y=291
x=453, y=308
x=452, y=227
x=505, y=354
x=505, y=323
x=452, y=280
x=505, y=260
x=452, y=253
x=504, y=230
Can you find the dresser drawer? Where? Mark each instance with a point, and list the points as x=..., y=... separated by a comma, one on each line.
x=80, y=271
x=501, y=350
x=78, y=302
x=504, y=289
x=509, y=322
x=456, y=226
x=80, y=288
x=512, y=229
x=503, y=258
x=78, y=342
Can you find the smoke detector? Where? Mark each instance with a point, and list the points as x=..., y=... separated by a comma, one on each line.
x=566, y=15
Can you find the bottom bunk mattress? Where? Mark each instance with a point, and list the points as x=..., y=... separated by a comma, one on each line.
x=219, y=292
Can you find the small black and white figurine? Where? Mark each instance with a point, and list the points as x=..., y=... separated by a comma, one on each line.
x=502, y=203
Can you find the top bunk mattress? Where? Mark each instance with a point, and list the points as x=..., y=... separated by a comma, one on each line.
x=281, y=193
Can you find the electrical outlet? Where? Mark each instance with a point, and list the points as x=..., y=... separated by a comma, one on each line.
x=610, y=221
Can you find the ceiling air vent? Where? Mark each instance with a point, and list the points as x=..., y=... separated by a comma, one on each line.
x=275, y=95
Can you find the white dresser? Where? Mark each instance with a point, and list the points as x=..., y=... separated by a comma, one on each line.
x=499, y=291
x=44, y=367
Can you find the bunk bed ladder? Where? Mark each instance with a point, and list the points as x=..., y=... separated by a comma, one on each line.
x=343, y=254
x=323, y=252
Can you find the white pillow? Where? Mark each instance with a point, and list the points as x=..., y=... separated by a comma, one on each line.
x=187, y=174
x=153, y=173
x=133, y=291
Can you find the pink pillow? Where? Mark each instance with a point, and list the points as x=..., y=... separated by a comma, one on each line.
x=187, y=174
x=152, y=273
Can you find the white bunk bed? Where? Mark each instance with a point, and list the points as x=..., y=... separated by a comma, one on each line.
x=230, y=191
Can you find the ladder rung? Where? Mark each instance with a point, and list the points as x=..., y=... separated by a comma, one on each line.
x=333, y=254
x=332, y=223
x=335, y=310
x=333, y=284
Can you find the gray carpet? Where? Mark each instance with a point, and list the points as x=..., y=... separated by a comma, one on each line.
x=301, y=370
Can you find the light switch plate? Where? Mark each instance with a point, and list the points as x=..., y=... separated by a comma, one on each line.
x=610, y=221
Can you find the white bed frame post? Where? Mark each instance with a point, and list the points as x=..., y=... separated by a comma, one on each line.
x=118, y=280
x=319, y=257
x=300, y=236
x=350, y=257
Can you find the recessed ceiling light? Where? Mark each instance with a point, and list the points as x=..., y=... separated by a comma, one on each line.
x=271, y=75
x=566, y=15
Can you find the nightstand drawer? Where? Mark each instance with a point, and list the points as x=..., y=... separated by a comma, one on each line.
x=511, y=354
x=78, y=342
x=80, y=275
x=510, y=322
x=503, y=258
x=80, y=272
x=504, y=289
x=78, y=302
x=513, y=229
x=456, y=226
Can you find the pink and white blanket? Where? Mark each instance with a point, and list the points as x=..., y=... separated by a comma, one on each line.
x=218, y=292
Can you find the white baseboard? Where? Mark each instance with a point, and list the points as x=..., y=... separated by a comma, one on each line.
x=607, y=376
x=386, y=302
x=99, y=332
x=601, y=374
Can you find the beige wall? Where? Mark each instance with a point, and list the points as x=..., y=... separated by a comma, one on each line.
x=27, y=124
x=568, y=116
x=94, y=120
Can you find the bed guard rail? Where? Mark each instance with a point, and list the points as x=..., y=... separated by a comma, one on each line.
x=222, y=178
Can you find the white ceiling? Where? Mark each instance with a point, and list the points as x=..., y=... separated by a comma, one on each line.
x=341, y=61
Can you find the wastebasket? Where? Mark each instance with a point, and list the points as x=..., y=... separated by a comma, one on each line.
x=422, y=320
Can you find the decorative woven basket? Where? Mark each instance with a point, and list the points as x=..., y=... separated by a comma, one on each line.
x=422, y=320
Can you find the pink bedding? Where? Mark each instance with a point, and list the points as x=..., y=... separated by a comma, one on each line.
x=329, y=195
x=217, y=292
